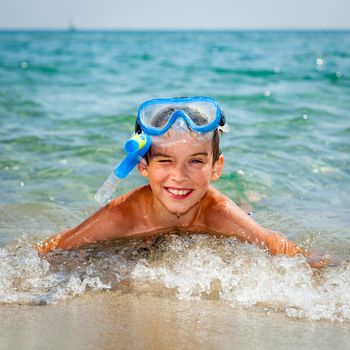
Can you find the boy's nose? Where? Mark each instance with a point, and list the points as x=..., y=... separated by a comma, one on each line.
x=178, y=173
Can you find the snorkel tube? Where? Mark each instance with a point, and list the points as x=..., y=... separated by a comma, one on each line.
x=136, y=147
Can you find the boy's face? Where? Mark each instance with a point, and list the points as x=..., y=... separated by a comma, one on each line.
x=180, y=173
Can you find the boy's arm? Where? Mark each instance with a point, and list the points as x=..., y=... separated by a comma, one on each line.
x=228, y=219
x=106, y=223
x=247, y=230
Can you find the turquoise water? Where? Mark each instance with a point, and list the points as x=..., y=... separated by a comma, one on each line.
x=68, y=102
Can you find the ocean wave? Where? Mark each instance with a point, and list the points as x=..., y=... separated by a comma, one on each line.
x=189, y=266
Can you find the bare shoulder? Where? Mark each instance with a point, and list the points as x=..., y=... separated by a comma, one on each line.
x=216, y=202
x=220, y=213
x=129, y=205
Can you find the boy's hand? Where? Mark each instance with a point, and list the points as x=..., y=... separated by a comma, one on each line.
x=48, y=245
x=317, y=261
x=41, y=249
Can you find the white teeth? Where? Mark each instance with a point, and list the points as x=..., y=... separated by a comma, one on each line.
x=178, y=192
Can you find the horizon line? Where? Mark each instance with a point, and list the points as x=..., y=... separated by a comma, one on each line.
x=219, y=29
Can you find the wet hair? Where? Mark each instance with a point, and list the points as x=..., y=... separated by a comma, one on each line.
x=215, y=145
x=163, y=116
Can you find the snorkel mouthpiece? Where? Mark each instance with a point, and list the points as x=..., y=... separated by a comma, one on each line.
x=136, y=147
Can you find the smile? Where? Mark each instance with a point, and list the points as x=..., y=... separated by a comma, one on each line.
x=179, y=193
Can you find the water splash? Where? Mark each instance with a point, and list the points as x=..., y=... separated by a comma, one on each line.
x=244, y=275
x=25, y=278
x=191, y=266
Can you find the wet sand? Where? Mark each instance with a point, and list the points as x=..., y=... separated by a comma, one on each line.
x=110, y=320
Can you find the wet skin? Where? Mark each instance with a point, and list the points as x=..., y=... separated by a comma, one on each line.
x=179, y=197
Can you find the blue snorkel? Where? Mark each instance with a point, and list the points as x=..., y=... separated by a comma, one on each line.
x=136, y=147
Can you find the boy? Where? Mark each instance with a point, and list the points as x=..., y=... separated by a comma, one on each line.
x=182, y=162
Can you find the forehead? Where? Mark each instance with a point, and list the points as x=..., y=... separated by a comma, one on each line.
x=184, y=146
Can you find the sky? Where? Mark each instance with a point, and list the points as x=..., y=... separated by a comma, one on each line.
x=176, y=14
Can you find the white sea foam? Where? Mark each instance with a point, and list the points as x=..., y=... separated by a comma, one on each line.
x=27, y=278
x=251, y=277
x=195, y=267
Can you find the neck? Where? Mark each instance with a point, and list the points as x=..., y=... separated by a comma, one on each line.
x=167, y=219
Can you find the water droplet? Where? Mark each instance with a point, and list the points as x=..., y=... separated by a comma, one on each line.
x=319, y=61
x=338, y=75
x=21, y=183
x=276, y=69
x=24, y=65
x=267, y=93
x=305, y=116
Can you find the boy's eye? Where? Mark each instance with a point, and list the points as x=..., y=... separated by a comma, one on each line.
x=164, y=160
x=197, y=161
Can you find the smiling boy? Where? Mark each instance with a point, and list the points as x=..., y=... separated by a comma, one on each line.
x=181, y=164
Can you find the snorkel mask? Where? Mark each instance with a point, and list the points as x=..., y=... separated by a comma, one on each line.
x=201, y=114
x=163, y=120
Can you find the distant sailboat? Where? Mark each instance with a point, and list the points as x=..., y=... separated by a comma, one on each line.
x=71, y=27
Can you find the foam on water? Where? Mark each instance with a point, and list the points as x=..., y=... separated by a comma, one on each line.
x=25, y=278
x=193, y=267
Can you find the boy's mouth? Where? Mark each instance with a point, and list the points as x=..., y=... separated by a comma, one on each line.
x=179, y=193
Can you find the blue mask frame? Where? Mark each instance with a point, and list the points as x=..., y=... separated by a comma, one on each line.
x=219, y=119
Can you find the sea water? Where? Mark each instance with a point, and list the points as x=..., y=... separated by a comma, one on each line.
x=68, y=102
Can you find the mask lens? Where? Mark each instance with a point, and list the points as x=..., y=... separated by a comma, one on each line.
x=201, y=113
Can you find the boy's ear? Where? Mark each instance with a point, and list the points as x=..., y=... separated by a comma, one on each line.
x=218, y=168
x=142, y=168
